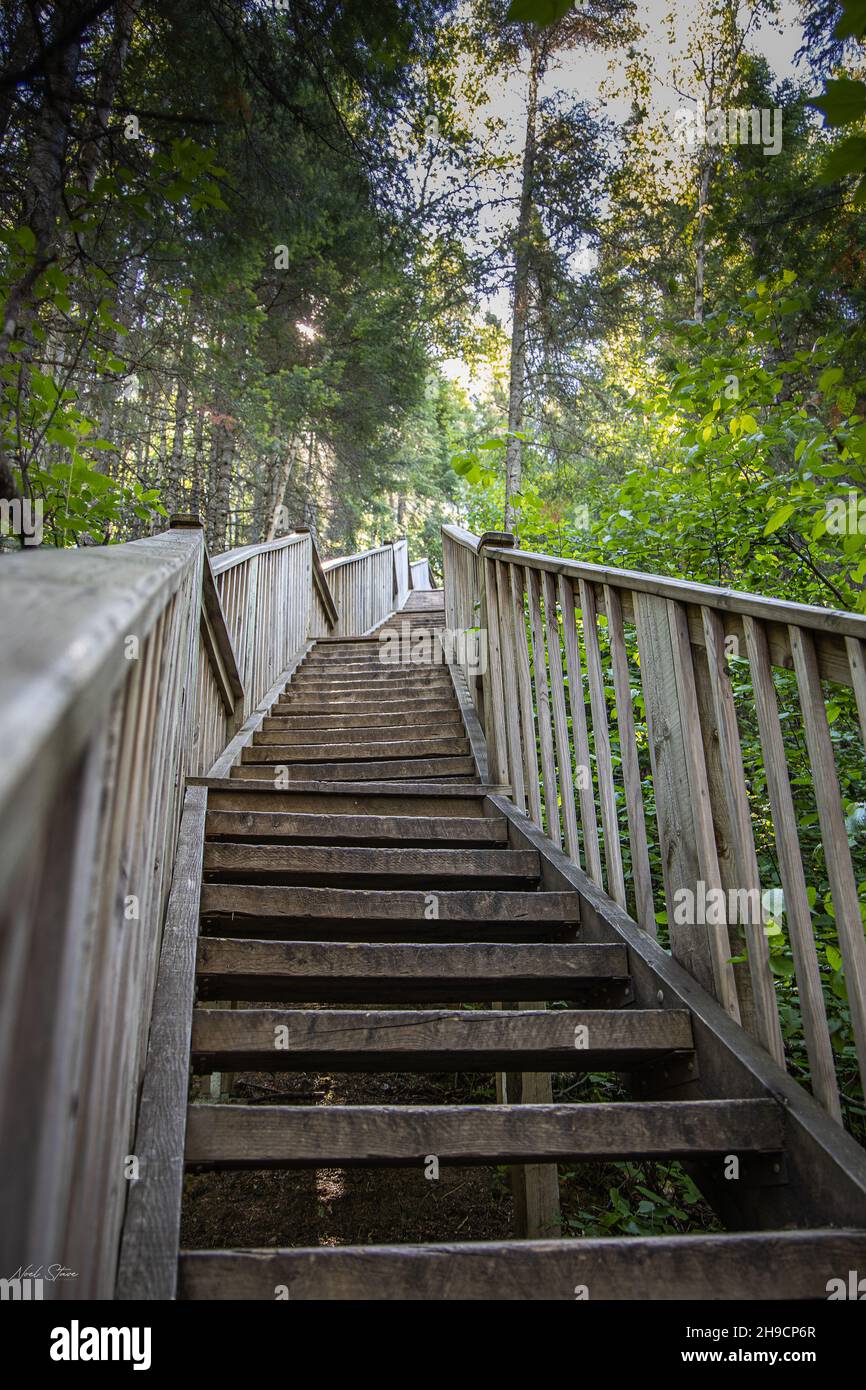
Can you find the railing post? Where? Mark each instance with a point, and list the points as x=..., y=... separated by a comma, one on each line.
x=492, y=712
x=683, y=809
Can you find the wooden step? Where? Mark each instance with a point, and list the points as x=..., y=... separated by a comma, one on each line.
x=404, y=905
x=749, y=1267
x=394, y=708
x=345, y=1136
x=333, y=674
x=436, y=799
x=435, y=1040
x=332, y=751
x=262, y=825
x=423, y=864
x=379, y=661
x=331, y=972
x=446, y=717
x=374, y=770
x=385, y=734
x=368, y=689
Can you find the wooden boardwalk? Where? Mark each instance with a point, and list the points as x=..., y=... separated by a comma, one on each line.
x=357, y=860
x=413, y=865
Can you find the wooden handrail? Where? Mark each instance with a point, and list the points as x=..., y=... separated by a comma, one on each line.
x=546, y=673
x=126, y=672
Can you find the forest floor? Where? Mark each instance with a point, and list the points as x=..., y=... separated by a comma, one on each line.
x=307, y=1207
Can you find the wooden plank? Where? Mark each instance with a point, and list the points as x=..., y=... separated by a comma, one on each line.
x=492, y=684
x=677, y=842
x=857, y=664
x=580, y=732
x=337, y=859
x=511, y=712
x=301, y=825
x=745, y=872
x=440, y=1040
x=640, y=867
x=542, y=705
x=724, y=984
x=359, y=771
x=391, y=708
x=378, y=734
x=394, y=904
x=834, y=835
x=318, y=971
x=337, y=1136
x=333, y=751
x=324, y=722
x=560, y=721
x=524, y=689
x=601, y=738
x=798, y=915
x=151, y=1231
x=638, y=1268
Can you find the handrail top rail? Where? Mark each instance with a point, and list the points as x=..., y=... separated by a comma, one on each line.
x=361, y=555
x=62, y=663
x=835, y=621
x=229, y=558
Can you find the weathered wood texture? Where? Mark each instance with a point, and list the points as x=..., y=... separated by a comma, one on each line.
x=238, y=1136
x=784, y=1265
x=126, y=669
x=151, y=1231
x=682, y=746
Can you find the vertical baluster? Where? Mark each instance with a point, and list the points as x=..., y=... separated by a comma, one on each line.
x=797, y=913
x=640, y=866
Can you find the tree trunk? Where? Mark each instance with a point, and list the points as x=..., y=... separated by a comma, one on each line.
x=701, y=236
x=106, y=88
x=224, y=446
x=520, y=297
x=283, y=479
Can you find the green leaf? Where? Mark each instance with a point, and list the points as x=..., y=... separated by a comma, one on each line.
x=537, y=11
x=779, y=518
x=852, y=24
x=847, y=158
x=829, y=378
x=843, y=101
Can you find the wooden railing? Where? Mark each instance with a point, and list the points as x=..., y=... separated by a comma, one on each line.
x=125, y=670
x=608, y=693
x=367, y=587
x=420, y=576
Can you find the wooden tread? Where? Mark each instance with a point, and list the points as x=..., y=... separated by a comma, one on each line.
x=424, y=864
x=372, y=720
x=397, y=904
x=385, y=734
x=395, y=706
x=376, y=769
x=343, y=1136
x=435, y=1040
x=754, y=1266
x=329, y=972
x=266, y=751
x=288, y=825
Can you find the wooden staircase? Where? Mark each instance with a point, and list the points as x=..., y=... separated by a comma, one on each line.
x=356, y=861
